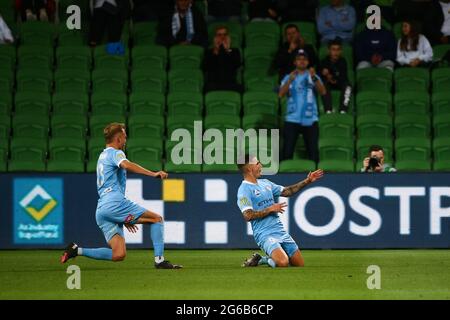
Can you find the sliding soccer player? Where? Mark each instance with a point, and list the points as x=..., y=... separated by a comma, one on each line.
x=258, y=201
x=114, y=210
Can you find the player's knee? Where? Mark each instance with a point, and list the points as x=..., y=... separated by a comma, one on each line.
x=119, y=256
x=282, y=263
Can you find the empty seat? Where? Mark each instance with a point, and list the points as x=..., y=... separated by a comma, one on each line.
x=185, y=103
x=260, y=103
x=34, y=79
x=74, y=57
x=30, y=126
x=70, y=103
x=412, y=79
x=142, y=103
x=35, y=55
x=185, y=56
x=412, y=125
x=69, y=126
x=146, y=126
x=370, y=102
x=374, y=79
x=260, y=121
x=149, y=80
x=76, y=81
x=412, y=102
x=441, y=103
x=297, y=166
x=223, y=102
x=66, y=155
x=336, y=125
x=110, y=81
x=183, y=121
x=109, y=103
x=186, y=80
x=337, y=165
x=372, y=125
x=441, y=125
x=149, y=57
x=336, y=148
x=407, y=149
x=144, y=33
x=36, y=103
x=222, y=122
x=27, y=154
x=441, y=80
x=262, y=34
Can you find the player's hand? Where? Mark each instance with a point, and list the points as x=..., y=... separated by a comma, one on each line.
x=278, y=207
x=315, y=175
x=131, y=227
x=161, y=175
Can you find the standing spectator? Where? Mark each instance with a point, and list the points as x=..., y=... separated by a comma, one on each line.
x=224, y=10
x=34, y=9
x=301, y=115
x=184, y=25
x=375, y=48
x=437, y=22
x=334, y=72
x=222, y=63
x=284, y=59
x=413, y=48
x=262, y=10
x=5, y=33
x=295, y=10
x=109, y=16
x=336, y=20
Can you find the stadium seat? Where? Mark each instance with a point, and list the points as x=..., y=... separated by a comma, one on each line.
x=69, y=126
x=183, y=121
x=5, y=127
x=76, y=81
x=184, y=152
x=441, y=165
x=110, y=80
x=336, y=148
x=35, y=55
x=3, y=160
x=108, y=103
x=336, y=125
x=185, y=103
x=260, y=82
x=412, y=149
x=185, y=57
x=144, y=33
x=74, y=57
x=66, y=155
x=95, y=147
x=223, y=102
x=441, y=126
x=6, y=79
x=219, y=168
x=412, y=102
x=102, y=60
x=262, y=34
x=7, y=57
x=260, y=103
x=98, y=122
x=260, y=121
x=412, y=125
x=337, y=165
x=259, y=58
x=70, y=103
x=441, y=80
x=146, y=126
x=297, y=166
x=370, y=102
x=35, y=103
x=143, y=103
x=30, y=126
x=149, y=57
x=412, y=79
x=149, y=80
x=439, y=51
x=441, y=149
x=34, y=79
x=374, y=79
x=70, y=38
x=6, y=102
x=441, y=103
x=169, y=166
x=186, y=80
x=373, y=125
x=222, y=122
x=37, y=33
x=146, y=152
x=27, y=154
x=413, y=165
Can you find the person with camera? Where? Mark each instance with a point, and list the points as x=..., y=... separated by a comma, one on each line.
x=374, y=162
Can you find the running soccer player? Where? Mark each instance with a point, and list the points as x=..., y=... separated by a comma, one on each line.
x=258, y=201
x=114, y=210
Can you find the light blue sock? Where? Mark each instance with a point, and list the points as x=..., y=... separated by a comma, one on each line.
x=264, y=260
x=97, y=253
x=157, y=234
x=271, y=263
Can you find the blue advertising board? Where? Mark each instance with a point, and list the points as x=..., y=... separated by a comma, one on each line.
x=398, y=210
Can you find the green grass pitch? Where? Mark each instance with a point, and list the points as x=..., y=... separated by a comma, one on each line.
x=217, y=274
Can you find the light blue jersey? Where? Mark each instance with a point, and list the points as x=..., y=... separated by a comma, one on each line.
x=301, y=103
x=111, y=178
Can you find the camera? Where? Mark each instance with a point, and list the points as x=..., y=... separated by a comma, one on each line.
x=373, y=163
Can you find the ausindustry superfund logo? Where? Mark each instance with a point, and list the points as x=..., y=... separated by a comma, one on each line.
x=38, y=211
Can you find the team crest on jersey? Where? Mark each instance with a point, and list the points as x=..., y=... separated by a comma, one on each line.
x=256, y=192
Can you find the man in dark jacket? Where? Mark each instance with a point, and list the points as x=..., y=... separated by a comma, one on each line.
x=437, y=22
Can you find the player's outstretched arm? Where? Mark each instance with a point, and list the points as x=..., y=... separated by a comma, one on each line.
x=135, y=168
x=293, y=189
x=251, y=214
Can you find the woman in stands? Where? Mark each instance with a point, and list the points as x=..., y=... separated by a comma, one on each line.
x=413, y=49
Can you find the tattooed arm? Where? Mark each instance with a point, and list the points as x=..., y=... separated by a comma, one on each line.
x=251, y=214
x=293, y=189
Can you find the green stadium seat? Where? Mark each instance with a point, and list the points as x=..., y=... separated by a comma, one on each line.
x=35, y=103
x=30, y=126
x=297, y=166
x=98, y=122
x=186, y=80
x=413, y=165
x=260, y=103
x=146, y=126
x=370, y=102
x=260, y=121
x=412, y=79
x=144, y=33
x=260, y=82
x=36, y=79
x=109, y=103
x=182, y=121
x=7, y=56
x=73, y=81
x=143, y=103
x=74, y=57
x=185, y=103
x=5, y=128
x=66, y=155
x=412, y=149
x=372, y=125
x=441, y=165
x=186, y=57
x=149, y=57
x=70, y=38
x=185, y=153
x=69, y=126
x=110, y=81
x=70, y=103
x=259, y=58
x=223, y=102
x=95, y=147
x=219, y=168
x=336, y=125
x=441, y=103
x=3, y=160
x=222, y=122
x=337, y=165
x=27, y=154
x=146, y=152
x=412, y=125
x=6, y=102
x=30, y=56
x=6, y=79
x=336, y=148
x=363, y=145
x=171, y=167
x=37, y=33
x=335, y=102
x=439, y=51
x=262, y=34
x=374, y=79
x=149, y=80
x=412, y=102
x=110, y=62
x=441, y=80
x=234, y=30
x=441, y=149
x=441, y=126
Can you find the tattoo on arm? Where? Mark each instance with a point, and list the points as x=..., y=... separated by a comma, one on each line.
x=293, y=189
x=251, y=214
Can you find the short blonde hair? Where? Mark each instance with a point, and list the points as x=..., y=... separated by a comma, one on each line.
x=111, y=130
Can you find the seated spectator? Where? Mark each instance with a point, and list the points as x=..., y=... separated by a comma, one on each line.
x=336, y=20
x=284, y=59
x=374, y=162
x=151, y=10
x=109, y=16
x=437, y=22
x=5, y=33
x=184, y=25
x=262, y=10
x=295, y=10
x=413, y=48
x=375, y=48
x=221, y=63
x=224, y=10
x=34, y=9
x=334, y=74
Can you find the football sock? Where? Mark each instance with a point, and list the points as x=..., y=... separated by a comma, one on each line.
x=157, y=235
x=97, y=253
x=264, y=260
x=271, y=263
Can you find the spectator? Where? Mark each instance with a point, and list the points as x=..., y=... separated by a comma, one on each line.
x=262, y=10
x=184, y=25
x=224, y=10
x=334, y=72
x=301, y=115
x=295, y=10
x=109, y=16
x=222, y=63
x=413, y=48
x=5, y=33
x=336, y=20
x=437, y=22
x=284, y=59
x=151, y=10
x=34, y=9
x=374, y=162
x=375, y=48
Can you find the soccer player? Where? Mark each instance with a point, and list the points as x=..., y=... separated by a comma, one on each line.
x=258, y=201
x=114, y=210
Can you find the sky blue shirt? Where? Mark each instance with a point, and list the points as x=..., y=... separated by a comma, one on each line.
x=301, y=103
x=111, y=178
x=343, y=20
x=258, y=197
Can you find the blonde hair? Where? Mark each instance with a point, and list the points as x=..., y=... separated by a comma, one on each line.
x=111, y=130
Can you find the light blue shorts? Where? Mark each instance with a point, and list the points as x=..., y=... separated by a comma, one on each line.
x=270, y=243
x=113, y=215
